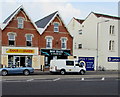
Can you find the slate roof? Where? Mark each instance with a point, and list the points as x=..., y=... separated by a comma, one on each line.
x=7, y=19
x=44, y=21
x=106, y=16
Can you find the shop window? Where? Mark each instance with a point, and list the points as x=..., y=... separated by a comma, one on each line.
x=70, y=63
x=29, y=40
x=79, y=46
x=11, y=39
x=49, y=42
x=20, y=22
x=10, y=60
x=56, y=27
x=29, y=61
x=64, y=43
x=111, y=45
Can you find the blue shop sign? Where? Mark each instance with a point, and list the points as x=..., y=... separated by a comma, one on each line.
x=113, y=59
x=88, y=61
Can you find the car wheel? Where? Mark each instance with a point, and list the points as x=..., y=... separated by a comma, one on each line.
x=82, y=72
x=4, y=73
x=62, y=72
x=26, y=72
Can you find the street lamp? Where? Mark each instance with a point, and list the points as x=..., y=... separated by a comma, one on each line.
x=98, y=41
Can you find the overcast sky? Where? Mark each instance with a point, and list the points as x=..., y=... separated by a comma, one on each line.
x=67, y=8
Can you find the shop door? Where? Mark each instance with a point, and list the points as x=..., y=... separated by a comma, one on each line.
x=22, y=61
x=16, y=61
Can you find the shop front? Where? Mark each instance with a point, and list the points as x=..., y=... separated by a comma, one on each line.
x=50, y=54
x=19, y=56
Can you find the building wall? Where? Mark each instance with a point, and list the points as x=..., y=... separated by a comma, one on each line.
x=20, y=38
x=0, y=44
x=90, y=27
x=56, y=35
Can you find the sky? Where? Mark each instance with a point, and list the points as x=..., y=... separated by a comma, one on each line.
x=37, y=9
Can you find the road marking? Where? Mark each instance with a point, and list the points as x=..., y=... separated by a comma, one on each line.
x=30, y=80
x=56, y=79
x=103, y=78
x=82, y=79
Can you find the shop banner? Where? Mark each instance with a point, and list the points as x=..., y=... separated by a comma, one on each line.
x=88, y=62
x=113, y=59
x=20, y=51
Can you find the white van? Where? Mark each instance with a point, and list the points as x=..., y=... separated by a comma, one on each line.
x=66, y=65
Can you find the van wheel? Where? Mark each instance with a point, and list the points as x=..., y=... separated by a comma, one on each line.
x=62, y=72
x=82, y=72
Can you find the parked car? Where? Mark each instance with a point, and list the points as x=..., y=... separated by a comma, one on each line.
x=66, y=65
x=16, y=70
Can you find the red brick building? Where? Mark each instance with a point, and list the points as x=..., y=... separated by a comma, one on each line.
x=55, y=40
x=25, y=43
x=20, y=39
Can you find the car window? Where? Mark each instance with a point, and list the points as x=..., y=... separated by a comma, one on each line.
x=70, y=63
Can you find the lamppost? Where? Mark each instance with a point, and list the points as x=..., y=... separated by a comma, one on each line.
x=98, y=41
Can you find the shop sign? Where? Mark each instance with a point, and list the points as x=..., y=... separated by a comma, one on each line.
x=52, y=52
x=20, y=51
x=113, y=59
x=88, y=61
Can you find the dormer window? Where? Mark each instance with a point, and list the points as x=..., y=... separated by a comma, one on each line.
x=56, y=27
x=20, y=22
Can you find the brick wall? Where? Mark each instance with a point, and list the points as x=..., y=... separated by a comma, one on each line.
x=56, y=35
x=20, y=38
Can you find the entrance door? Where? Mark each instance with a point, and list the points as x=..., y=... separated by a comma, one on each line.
x=16, y=61
x=22, y=61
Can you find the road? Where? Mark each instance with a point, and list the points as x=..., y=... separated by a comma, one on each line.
x=71, y=84
x=58, y=86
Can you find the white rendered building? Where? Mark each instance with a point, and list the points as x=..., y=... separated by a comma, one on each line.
x=96, y=37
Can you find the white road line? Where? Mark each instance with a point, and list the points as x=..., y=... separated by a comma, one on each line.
x=103, y=78
x=56, y=79
x=82, y=79
x=30, y=80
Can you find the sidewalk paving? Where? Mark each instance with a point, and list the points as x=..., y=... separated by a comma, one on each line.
x=87, y=72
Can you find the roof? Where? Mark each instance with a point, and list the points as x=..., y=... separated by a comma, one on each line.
x=43, y=22
x=106, y=16
x=79, y=20
x=6, y=20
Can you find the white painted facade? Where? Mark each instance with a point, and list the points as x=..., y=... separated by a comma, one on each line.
x=95, y=39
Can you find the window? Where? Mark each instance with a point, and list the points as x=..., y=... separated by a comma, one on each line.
x=112, y=29
x=49, y=42
x=20, y=22
x=70, y=63
x=79, y=46
x=80, y=32
x=56, y=27
x=63, y=43
x=11, y=39
x=29, y=40
x=111, y=45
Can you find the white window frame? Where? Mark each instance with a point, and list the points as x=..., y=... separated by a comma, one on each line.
x=79, y=46
x=49, y=39
x=112, y=29
x=20, y=23
x=11, y=33
x=29, y=40
x=111, y=45
x=80, y=31
x=65, y=42
x=56, y=27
